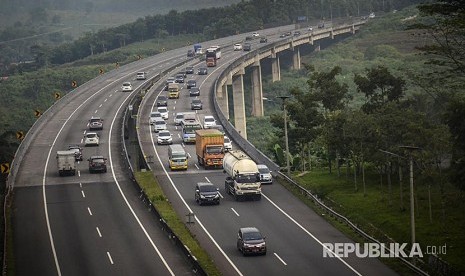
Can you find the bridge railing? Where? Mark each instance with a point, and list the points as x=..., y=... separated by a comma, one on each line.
x=261, y=158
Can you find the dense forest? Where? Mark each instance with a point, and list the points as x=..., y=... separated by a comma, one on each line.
x=210, y=22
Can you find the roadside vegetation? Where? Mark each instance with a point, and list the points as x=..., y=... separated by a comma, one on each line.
x=385, y=48
x=355, y=101
x=156, y=196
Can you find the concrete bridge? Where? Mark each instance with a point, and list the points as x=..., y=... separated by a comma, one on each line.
x=232, y=77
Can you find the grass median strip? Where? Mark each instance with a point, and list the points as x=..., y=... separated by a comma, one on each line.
x=156, y=196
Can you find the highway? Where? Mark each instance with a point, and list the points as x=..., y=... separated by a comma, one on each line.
x=89, y=224
x=294, y=232
x=95, y=224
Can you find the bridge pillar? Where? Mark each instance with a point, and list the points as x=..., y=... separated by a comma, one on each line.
x=275, y=70
x=257, y=91
x=222, y=98
x=239, y=104
x=296, y=58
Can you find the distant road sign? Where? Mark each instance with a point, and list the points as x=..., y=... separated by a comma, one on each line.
x=74, y=83
x=5, y=168
x=19, y=135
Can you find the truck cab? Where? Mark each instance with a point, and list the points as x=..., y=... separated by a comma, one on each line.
x=243, y=180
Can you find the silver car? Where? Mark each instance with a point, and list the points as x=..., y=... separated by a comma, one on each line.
x=159, y=125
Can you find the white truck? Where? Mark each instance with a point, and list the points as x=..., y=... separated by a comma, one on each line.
x=243, y=180
x=66, y=162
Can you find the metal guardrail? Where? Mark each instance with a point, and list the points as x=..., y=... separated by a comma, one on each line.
x=260, y=157
x=136, y=102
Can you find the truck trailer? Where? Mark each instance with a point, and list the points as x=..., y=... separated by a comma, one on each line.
x=66, y=162
x=243, y=180
x=209, y=146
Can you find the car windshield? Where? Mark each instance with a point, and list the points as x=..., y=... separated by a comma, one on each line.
x=263, y=170
x=208, y=188
x=91, y=135
x=160, y=123
x=162, y=110
x=98, y=160
x=164, y=134
x=95, y=120
x=126, y=84
x=194, y=89
x=196, y=101
x=252, y=236
x=209, y=120
x=153, y=115
x=226, y=140
x=161, y=98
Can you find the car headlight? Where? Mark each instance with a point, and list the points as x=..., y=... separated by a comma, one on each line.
x=202, y=196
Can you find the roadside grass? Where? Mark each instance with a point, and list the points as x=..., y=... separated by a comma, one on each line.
x=380, y=215
x=159, y=201
x=395, y=264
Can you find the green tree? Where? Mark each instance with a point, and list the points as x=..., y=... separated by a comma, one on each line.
x=445, y=23
x=379, y=87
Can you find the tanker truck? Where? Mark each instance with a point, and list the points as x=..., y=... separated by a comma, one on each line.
x=243, y=180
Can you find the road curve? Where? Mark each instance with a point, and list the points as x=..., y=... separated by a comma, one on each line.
x=89, y=224
x=294, y=232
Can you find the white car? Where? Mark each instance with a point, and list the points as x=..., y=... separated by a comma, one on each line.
x=164, y=137
x=91, y=139
x=178, y=118
x=126, y=87
x=255, y=34
x=163, y=111
x=140, y=76
x=227, y=143
x=208, y=121
x=159, y=125
x=237, y=47
x=265, y=174
x=154, y=116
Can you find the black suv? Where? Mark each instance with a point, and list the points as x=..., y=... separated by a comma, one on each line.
x=202, y=71
x=251, y=241
x=180, y=78
x=207, y=193
x=194, y=91
x=97, y=163
x=191, y=83
x=190, y=70
x=162, y=101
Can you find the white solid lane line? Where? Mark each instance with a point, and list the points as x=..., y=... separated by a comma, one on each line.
x=83, y=194
x=279, y=258
x=90, y=212
x=208, y=180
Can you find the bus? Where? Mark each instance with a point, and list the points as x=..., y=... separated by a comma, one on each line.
x=217, y=50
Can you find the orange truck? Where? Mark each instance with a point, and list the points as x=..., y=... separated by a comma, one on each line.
x=209, y=145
